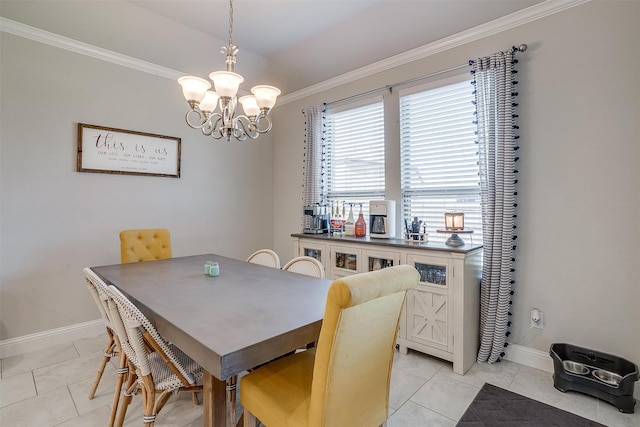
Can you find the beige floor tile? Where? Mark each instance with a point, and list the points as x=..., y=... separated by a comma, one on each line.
x=67, y=372
x=48, y=409
x=20, y=363
x=419, y=364
x=413, y=415
x=104, y=393
x=403, y=386
x=91, y=344
x=499, y=374
x=16, y=388
x=424, y=391
x=178, y=412
x=98, y=417
x=610, y=416
x=538, y=385
x=134, y=412
x=446, y=396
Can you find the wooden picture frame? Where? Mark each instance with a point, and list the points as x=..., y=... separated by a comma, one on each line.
x=119, y=151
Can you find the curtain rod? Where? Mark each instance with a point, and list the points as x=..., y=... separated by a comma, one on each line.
x=520, y=48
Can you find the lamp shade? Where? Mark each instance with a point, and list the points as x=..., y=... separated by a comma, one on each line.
x=210, y=101
x=249, y=105
x=194, y=88
x=454, y=220
x=226, y=83
x=265, y=95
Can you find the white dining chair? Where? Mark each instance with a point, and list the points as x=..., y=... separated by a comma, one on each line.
x=306, y=265
x=265, y=257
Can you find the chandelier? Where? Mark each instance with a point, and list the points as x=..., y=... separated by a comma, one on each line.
x=224, y=123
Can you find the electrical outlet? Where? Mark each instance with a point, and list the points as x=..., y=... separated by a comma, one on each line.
x=537, y=319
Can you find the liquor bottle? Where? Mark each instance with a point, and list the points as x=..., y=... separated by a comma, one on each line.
x=336, y=222
x=350, y=225
x=343, y=218
x=361, y=225
x=415, y=228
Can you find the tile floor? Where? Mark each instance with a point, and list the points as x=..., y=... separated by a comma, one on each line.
x=49, y=388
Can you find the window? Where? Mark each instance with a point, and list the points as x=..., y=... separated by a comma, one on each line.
x=439, y=164
x=355, y=155
x=431, y=164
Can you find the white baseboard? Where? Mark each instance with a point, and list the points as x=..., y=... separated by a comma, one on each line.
x=529, y=357
x=40, y=340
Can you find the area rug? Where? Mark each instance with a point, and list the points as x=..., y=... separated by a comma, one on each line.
x=494, y=406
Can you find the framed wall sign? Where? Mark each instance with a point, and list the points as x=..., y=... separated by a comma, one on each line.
x=119, y=151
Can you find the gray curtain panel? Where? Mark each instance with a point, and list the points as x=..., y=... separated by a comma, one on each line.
x=313, y=161
x=494, y=82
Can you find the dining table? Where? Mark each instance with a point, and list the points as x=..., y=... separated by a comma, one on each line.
x=246, y=316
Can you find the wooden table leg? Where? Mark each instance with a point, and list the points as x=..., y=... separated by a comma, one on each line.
x=214, y=401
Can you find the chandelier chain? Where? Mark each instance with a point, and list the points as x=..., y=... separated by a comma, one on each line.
x=230, y=22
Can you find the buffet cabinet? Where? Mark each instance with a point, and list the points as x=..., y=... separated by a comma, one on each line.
x=441, y=315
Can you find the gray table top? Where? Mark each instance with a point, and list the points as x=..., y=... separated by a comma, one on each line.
x=248, y=315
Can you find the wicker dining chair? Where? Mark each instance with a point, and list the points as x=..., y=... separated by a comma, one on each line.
x=306, y=265
x=265, y=257
x=98, y=290
x=144, y=245
x=160, y=366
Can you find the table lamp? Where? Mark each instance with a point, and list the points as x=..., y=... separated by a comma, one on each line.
x=454, y=221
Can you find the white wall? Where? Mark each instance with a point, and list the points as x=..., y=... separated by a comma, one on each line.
x=578, y=247
x=579, y=237
x=55, y=221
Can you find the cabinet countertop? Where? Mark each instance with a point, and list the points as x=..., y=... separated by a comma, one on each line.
x=395, y=243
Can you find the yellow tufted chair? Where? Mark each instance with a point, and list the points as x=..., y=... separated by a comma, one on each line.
x=345, y=380
x=144, y=245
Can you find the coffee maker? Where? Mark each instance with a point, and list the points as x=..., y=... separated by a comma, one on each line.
x=382, y=219
x=316, y=219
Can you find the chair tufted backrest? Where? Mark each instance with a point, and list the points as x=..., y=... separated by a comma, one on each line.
x=354, y=354
x=306, y=265
x=144, y=245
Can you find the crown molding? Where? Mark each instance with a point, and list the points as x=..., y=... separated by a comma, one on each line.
x=504, y=23
x=52, y=39
x=535, y=12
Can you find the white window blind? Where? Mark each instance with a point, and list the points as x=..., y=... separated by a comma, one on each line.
x=439, y=163
x=355, y=155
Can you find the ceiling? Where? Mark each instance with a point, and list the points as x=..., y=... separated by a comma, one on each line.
x=321, y=39
x=296, y=43
x=260, y=26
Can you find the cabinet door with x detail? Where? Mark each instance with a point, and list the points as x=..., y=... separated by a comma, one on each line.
x=428, y=306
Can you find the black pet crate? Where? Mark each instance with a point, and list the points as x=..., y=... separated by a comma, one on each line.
x=607, y=377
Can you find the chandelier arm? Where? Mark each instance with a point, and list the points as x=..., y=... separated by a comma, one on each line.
x=240, y=134
x=260, y=120
x=247, y=126
x=212, y=127
x=202, y=118
x=208, y=127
